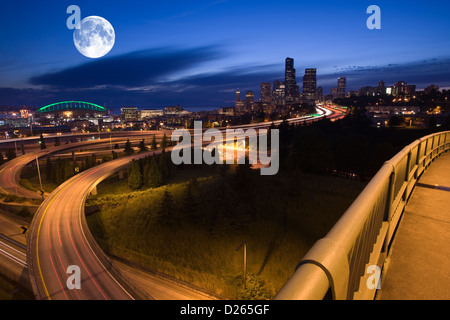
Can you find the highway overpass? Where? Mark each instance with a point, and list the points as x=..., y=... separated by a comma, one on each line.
x=103, y=280
x=59, y=237
x=10, y=171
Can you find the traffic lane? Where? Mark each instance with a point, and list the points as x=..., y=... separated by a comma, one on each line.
x=159, y=288
x=10, y=226
x=12, y=253
x=43, y=251
x=10, y=177
x=67, y=246
x=108, y=286
x=11, y=171
x=13, y=262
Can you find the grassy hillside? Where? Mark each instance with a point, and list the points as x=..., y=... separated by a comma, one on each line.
x=191, y=227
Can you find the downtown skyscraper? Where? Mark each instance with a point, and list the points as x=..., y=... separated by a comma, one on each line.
x=266, y=92
x=309, y=86
x=292, y=90
x=341, y=87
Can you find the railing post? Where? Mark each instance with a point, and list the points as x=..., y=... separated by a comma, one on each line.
x=408, y=168
x=390, y=195
x=419, y=148
x=425, y=155
x=388, y=209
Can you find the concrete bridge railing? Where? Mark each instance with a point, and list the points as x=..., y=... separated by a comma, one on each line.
x=336, y=267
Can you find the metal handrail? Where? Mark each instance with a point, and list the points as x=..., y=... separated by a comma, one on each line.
x=337, y=264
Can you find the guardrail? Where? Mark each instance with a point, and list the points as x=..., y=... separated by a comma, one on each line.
x=335, y=267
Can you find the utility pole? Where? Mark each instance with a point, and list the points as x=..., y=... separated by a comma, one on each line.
x=39, y=174
x=245, y=261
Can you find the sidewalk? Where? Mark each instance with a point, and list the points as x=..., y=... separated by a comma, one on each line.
x=418, y=265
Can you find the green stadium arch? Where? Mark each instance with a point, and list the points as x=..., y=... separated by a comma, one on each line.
x=71, y=105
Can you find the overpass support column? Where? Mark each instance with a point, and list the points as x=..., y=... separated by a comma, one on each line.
x=121, y=174
x=94, y=191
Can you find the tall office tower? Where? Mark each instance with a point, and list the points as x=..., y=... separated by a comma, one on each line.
x=278, y=93
x=334, y=93
x=239, y=102
x=249, y=100
x=249, y=96
x=342, y=87
x=291, y=83
x=266, y=92
x=319, y=94
x=309, y=86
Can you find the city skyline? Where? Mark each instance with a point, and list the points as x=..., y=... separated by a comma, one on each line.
x=166, y=56
x=224, y=150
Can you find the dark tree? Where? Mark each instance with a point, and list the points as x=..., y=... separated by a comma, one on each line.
x=153, y=177
x=94, y=160
x=154, y=145
x=190, y=201
x=135, y=177
x=68, y=170
x=42, y=142
x=88, y=162
x=59, y=171
x=142, y=146
x=166, y=209
x=128, y=148
x=48, y=169
x=166, y=165
x=165, y=142
x=396, y=121
x=10, y=154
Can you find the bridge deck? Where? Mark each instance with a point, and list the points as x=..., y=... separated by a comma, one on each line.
x=418, y=265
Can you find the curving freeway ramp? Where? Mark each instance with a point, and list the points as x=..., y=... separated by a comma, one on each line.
x=11, y=170
x=59, y=238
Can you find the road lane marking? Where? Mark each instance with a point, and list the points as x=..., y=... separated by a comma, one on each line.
x=13, y=258
x=9, y=247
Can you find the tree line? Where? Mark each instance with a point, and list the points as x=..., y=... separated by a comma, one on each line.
x=350, y=146
x=151, y=172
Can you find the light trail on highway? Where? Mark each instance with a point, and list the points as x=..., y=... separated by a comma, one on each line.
x=59, y=238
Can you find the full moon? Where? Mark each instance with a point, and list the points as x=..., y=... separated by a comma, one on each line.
x=95, y=37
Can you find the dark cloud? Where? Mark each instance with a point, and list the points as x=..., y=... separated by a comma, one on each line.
x=116, y=79
x=420, y=73
x=245, y=77
x=128, y=70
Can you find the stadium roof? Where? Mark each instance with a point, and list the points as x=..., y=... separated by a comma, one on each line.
x=71, y=105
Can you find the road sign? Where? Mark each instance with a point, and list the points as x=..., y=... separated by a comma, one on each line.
x=24, y=229
x=77, y=169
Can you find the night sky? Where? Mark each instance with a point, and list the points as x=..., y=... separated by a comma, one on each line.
x=197, y=53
